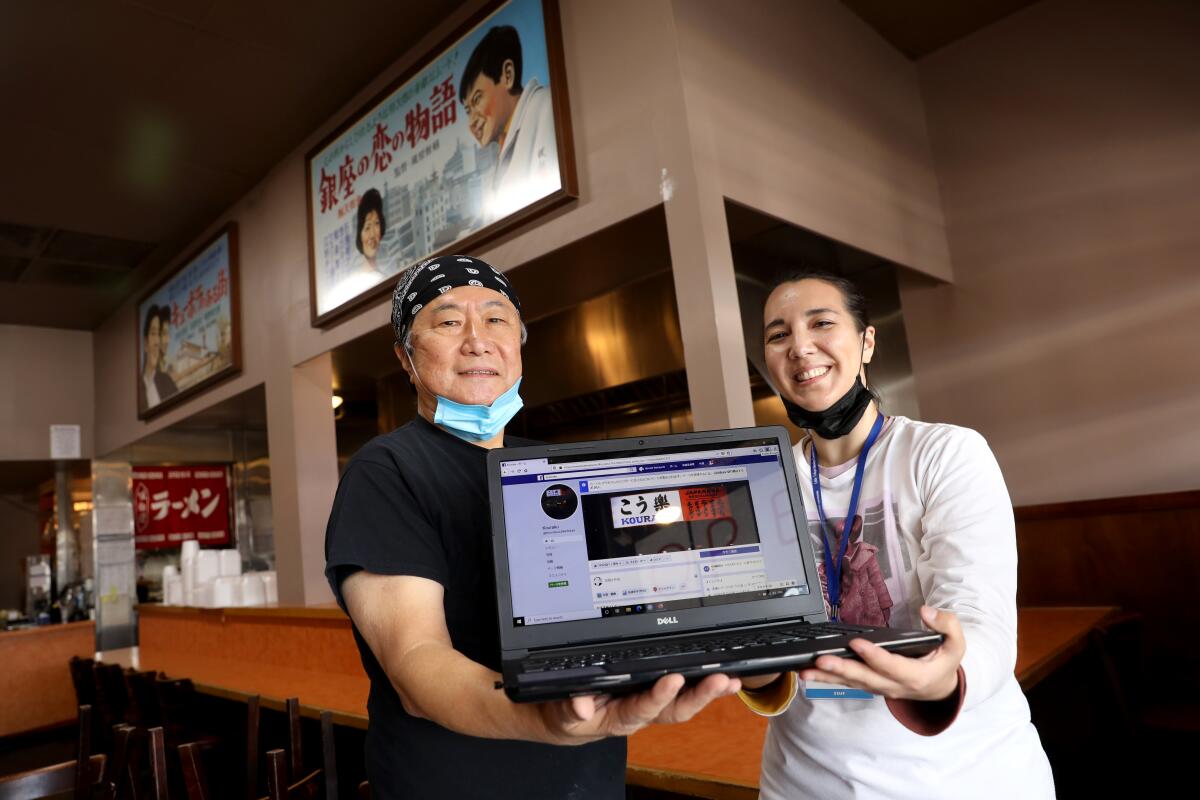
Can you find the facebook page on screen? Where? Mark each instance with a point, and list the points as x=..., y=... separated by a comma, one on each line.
x=634, y=533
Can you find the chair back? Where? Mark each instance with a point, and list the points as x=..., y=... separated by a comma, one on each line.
x=143, y=698
x=59, y=779
x=278, y=788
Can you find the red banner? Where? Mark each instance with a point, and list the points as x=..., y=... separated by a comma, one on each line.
x=174, y=504
x=704, y=502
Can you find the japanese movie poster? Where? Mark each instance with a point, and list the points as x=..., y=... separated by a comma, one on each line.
x=462, y=144
x=186, y=328
x=174, y=504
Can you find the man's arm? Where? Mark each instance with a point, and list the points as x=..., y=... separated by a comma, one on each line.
x=403, y=622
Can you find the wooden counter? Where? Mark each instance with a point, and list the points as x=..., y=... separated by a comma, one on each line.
x=310, y=653
x=35, y=681
x=275, y=651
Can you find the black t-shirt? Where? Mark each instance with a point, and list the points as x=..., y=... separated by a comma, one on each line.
x=415, y=502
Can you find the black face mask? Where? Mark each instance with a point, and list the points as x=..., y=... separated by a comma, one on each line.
x=837, y=420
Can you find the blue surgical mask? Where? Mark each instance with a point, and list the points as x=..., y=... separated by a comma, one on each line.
x=478, y=423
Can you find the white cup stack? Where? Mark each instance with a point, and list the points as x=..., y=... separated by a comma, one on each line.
x=187, y=563
x=171, y=577
x=270, y=585
x=227, y=591
x=231, y=563
x=173, y=591
x=254, y=593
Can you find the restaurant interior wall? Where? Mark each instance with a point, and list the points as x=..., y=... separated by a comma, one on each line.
x=632, y=69
x=816, y=120
x=47, y=381
x=18, y=538
x=618, y=78
x=1067, y=139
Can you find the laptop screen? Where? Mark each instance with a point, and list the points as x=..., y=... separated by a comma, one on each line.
x=649, y=531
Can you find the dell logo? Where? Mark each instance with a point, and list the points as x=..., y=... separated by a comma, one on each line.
x=667, y=621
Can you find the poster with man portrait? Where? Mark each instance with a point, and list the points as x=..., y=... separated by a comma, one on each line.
x=471, y=142
x=187, y=327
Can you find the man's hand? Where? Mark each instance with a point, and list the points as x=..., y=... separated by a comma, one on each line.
x=933, y=676
x=586, y=719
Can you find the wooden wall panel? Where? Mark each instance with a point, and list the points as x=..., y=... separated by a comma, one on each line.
x=1140, y=553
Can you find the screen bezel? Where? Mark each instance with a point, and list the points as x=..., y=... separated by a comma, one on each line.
x=514, y=637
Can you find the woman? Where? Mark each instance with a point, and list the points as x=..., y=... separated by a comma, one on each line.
x=364, y=272
x=931, y=539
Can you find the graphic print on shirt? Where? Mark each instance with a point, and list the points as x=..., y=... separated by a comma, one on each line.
x=869, y=580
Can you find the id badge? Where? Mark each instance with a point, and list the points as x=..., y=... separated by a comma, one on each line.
x=815, y=690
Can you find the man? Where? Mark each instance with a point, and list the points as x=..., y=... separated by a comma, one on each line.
x=408, y=554
x=519, y=119
x=151, y=343
x=162, y=376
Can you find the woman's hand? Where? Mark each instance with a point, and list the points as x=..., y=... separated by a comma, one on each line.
x=933, y=676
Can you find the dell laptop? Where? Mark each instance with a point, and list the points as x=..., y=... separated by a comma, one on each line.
x=620, y=561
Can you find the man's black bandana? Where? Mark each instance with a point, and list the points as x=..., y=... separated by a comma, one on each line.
x=419, y=285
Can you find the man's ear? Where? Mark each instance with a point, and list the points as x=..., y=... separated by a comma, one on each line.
x=402, y=357
x=508, y=75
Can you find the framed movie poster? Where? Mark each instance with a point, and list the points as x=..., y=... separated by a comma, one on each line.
x=471, y=142
x=188, y=327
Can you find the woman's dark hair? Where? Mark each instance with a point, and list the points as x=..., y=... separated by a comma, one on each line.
x=164, y=316
x=852, y=297
x=371, y=201
x=151, y=315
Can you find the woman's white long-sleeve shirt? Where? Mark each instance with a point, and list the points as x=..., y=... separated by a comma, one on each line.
x=935, y=505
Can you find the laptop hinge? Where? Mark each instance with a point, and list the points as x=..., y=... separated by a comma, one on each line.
x=661, y=637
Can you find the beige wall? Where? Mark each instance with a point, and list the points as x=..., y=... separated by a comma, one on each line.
x=1067, y=139
x=815, y=119
x=47, y=380
x=19, y=537
x=622, y=85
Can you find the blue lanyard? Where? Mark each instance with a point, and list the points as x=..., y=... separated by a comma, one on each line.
x=833, y=568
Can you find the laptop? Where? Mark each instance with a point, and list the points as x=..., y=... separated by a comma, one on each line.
x=620, y=561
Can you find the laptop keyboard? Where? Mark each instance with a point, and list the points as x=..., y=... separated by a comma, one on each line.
x=719, y=645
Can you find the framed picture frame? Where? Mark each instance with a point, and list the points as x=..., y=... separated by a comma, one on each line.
x=188, y=327
x=470, y=143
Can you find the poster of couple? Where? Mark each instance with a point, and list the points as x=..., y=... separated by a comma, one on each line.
x=187, y=327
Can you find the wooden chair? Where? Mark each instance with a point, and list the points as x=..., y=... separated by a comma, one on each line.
x=194, y=779
x=278, y=788
x=253, y=713
x=112, y=698
x=328, y=750
x=79, y=776
x=158, y=765
x=82, y=680
x=53, y=781
x=118, y=781
x=176, y=709
x=328, y=756
x=142, y=690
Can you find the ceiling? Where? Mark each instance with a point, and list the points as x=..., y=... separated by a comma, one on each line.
x=130, y=125
x=919, y=27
